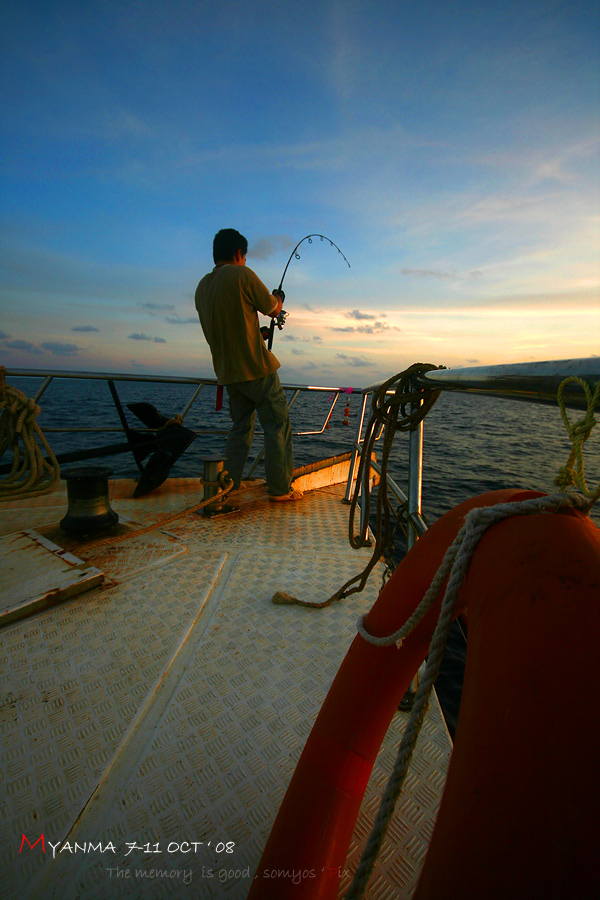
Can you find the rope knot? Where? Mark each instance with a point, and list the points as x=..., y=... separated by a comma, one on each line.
x=32, y=409
x=582, y=429
x=565, y=478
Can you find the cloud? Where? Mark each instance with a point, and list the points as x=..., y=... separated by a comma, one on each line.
x=508, y=207
x=85, y=328
x=357, y=362
x=29, y=270
x=297, y=352
x=114, y=124
x=357, y=314
x=22, y=345
x=140, y=336
x=179, y=320
x=296, y=339
x=438, y=273
x=376, y=328
x=3, y=335
x=156, y=306
x=265, y=247
x=60, y=349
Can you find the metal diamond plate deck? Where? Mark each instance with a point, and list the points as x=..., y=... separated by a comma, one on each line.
x=172, y=707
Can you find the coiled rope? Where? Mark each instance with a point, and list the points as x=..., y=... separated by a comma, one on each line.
x=390, y=413
x=454, y=568
x=31, y=472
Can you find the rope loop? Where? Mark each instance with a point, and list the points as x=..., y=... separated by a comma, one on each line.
x=573, y=472
x=389, y=405
x=390, y=413
x=385, y=405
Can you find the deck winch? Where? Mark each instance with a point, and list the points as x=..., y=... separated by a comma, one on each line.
x=89, y=509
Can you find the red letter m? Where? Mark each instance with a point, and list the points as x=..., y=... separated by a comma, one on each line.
x=31, y=846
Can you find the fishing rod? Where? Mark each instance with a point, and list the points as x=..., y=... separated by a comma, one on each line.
x=280, y=319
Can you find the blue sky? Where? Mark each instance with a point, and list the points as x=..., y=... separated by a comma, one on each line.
x=451, y=150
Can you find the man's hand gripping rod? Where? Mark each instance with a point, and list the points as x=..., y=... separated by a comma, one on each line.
x=278, y=320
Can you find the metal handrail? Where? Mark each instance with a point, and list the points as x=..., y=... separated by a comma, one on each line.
x=536, y=382
x=198, y=382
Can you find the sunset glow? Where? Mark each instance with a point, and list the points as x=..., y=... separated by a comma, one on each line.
x=450, y=150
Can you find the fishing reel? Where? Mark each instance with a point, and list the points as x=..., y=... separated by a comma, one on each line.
x=266, y=332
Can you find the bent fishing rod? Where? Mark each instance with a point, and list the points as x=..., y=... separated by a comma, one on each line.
x=280, y=319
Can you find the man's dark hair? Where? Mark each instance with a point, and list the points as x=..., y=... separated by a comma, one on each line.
x=226, y=244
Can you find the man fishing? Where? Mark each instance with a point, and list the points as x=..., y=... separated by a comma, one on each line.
x=228, y=301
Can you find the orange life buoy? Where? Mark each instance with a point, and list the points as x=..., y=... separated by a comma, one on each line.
x=519, y=814
x=310, y=837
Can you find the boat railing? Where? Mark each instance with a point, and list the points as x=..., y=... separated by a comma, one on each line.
x=536, y=382
x=196, y=384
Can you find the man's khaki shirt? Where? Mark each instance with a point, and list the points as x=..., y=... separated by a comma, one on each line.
x=228, y=300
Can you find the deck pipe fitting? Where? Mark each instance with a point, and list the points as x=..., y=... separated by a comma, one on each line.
x=213, y=467
x=89, y=509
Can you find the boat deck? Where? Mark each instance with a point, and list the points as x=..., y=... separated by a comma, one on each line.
x=158, y=716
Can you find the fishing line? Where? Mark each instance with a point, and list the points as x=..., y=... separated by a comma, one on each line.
x=309, y=238
x=294, y=254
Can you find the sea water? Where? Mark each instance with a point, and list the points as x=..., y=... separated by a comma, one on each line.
x=471, y=445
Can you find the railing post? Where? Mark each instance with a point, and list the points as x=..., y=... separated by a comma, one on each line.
x=415, y=476
x=355, y=450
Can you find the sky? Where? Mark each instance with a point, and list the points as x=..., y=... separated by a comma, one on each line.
x=450, y=150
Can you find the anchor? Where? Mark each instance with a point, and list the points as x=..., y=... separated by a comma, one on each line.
x=166, y=442
x=171, y=438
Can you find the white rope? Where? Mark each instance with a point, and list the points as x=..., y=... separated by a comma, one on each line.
x=454, y=567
